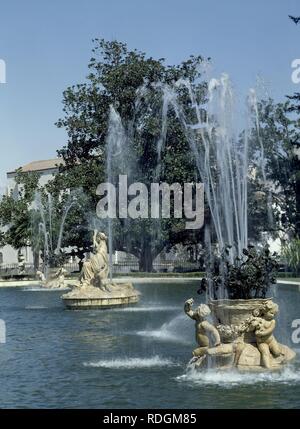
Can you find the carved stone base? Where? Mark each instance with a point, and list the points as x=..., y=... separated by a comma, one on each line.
x=222, y=357
x=89, y=297
x=250, y=359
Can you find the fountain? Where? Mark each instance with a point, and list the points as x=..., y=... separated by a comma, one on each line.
x=242, y=332
x=53, y=275
x=94, y=289
x=242, y=336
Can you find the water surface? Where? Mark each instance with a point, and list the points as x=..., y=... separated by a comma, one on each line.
x=133, y=357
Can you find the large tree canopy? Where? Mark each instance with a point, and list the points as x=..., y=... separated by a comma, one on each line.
x=116, y=74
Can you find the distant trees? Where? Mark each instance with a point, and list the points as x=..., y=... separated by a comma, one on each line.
x=22, y=222
x=280, y=136
x=15, y=218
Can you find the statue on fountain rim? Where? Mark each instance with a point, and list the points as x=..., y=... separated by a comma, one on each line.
x=95, y=269
x=263, y=324
x=205, y=331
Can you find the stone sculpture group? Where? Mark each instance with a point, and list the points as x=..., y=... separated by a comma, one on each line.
x=94, y=289
x=247, y=344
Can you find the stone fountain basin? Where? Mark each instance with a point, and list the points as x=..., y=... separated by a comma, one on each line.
x=86, y=298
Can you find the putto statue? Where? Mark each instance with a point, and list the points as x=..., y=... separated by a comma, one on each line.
x=206, y=333
x=263, y=325
x=94, y=290
x=244, y=341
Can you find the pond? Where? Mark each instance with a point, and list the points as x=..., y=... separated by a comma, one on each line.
x=132, y=357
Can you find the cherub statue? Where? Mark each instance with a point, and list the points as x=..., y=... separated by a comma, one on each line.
x=205, y=331
x=263, y=325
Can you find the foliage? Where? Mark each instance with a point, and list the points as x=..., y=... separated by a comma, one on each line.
x=247, y=277
x=58, y=223
x=291, y=253
x=21, y=220
x=280, y=137
x=15, y=217
x=54, y=260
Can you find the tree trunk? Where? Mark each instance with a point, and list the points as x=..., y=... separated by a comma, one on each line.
x=146, y=258
x=36, y=260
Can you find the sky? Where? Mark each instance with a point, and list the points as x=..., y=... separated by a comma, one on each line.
x=46, y=46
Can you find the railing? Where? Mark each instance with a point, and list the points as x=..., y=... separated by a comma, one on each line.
x=15, y=269
x=124, y=267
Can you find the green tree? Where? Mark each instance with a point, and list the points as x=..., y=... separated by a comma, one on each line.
x=15, y=219
x=116, y=73
x=279, y=133
x=21, y=220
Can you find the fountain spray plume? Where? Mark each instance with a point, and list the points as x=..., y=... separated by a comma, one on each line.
x=47, y=227
x=220, y=153
x=116, y=155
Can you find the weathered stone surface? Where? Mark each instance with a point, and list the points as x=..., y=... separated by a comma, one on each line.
x=91, y=297
x=246, y=336
x=250, y=356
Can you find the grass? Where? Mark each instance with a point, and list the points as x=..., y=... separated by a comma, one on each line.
x=167, y=275
x=292, y=279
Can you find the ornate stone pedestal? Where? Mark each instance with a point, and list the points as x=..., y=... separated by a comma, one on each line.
x=89, y=297
x=240, y=337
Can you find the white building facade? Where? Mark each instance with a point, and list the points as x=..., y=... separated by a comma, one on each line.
x=46, y=170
